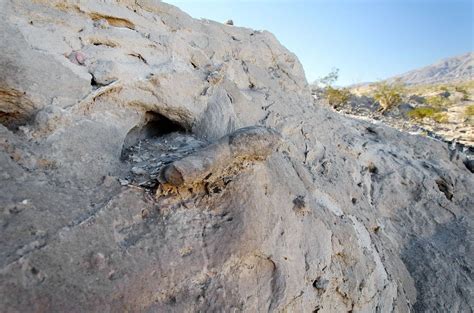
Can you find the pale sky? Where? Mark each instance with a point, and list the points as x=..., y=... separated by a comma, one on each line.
x=367, y=40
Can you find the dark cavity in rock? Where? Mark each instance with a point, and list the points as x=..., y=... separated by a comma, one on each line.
x=155, y=125
x=152, y=145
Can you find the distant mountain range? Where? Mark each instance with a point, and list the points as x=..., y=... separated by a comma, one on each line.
x=455, y=69
x=458, y=68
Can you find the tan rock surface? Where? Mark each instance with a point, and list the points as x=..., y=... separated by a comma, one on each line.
x=340, y=216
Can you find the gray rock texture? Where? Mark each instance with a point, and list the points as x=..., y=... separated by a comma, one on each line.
x=279, y=205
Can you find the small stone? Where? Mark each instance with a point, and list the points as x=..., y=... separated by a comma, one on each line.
x=320, y=283
x=101, y=23
x=108, y=181
x=299, y=202
x=229, y=22
x=138, y=170
x=112, y=275
x=136, y=159
x=145, y=213
x=372, y=168
x=214, y=77
x=80, y=57
x=98, y=261
x=185, y=251
x=123, y=182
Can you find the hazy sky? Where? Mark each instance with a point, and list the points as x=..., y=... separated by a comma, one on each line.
x=366, y=39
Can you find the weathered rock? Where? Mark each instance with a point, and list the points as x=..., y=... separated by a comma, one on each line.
x=246, y=144
x=343, y=216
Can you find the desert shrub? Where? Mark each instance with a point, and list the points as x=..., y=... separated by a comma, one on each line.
x=429, y=112
x=337, y=97
x=437, y=101
x=417, y=99
x=469, y=111
x=388, y=95
x=423, y=112
x=441, y=117
x=465, y=94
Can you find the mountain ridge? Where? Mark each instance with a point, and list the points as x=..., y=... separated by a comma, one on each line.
x=457, y=68
x=451, y=69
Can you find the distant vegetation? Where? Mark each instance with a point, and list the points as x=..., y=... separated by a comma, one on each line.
x=334, y=96
x=422, y=112
x=429, y=112
x=329, y=79
x=443, y=104
x=463, y=88
x=337, y=97
x=437, y=101
x=469, y=111
x=388, y=95
x=430, y=103
x=464, y=92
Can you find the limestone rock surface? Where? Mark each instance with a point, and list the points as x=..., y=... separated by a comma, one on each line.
x=308, y=211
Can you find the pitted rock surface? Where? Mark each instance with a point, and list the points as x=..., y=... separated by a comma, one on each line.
x=98, y=97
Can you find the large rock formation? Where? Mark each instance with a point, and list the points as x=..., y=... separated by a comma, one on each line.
x=151, y=162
